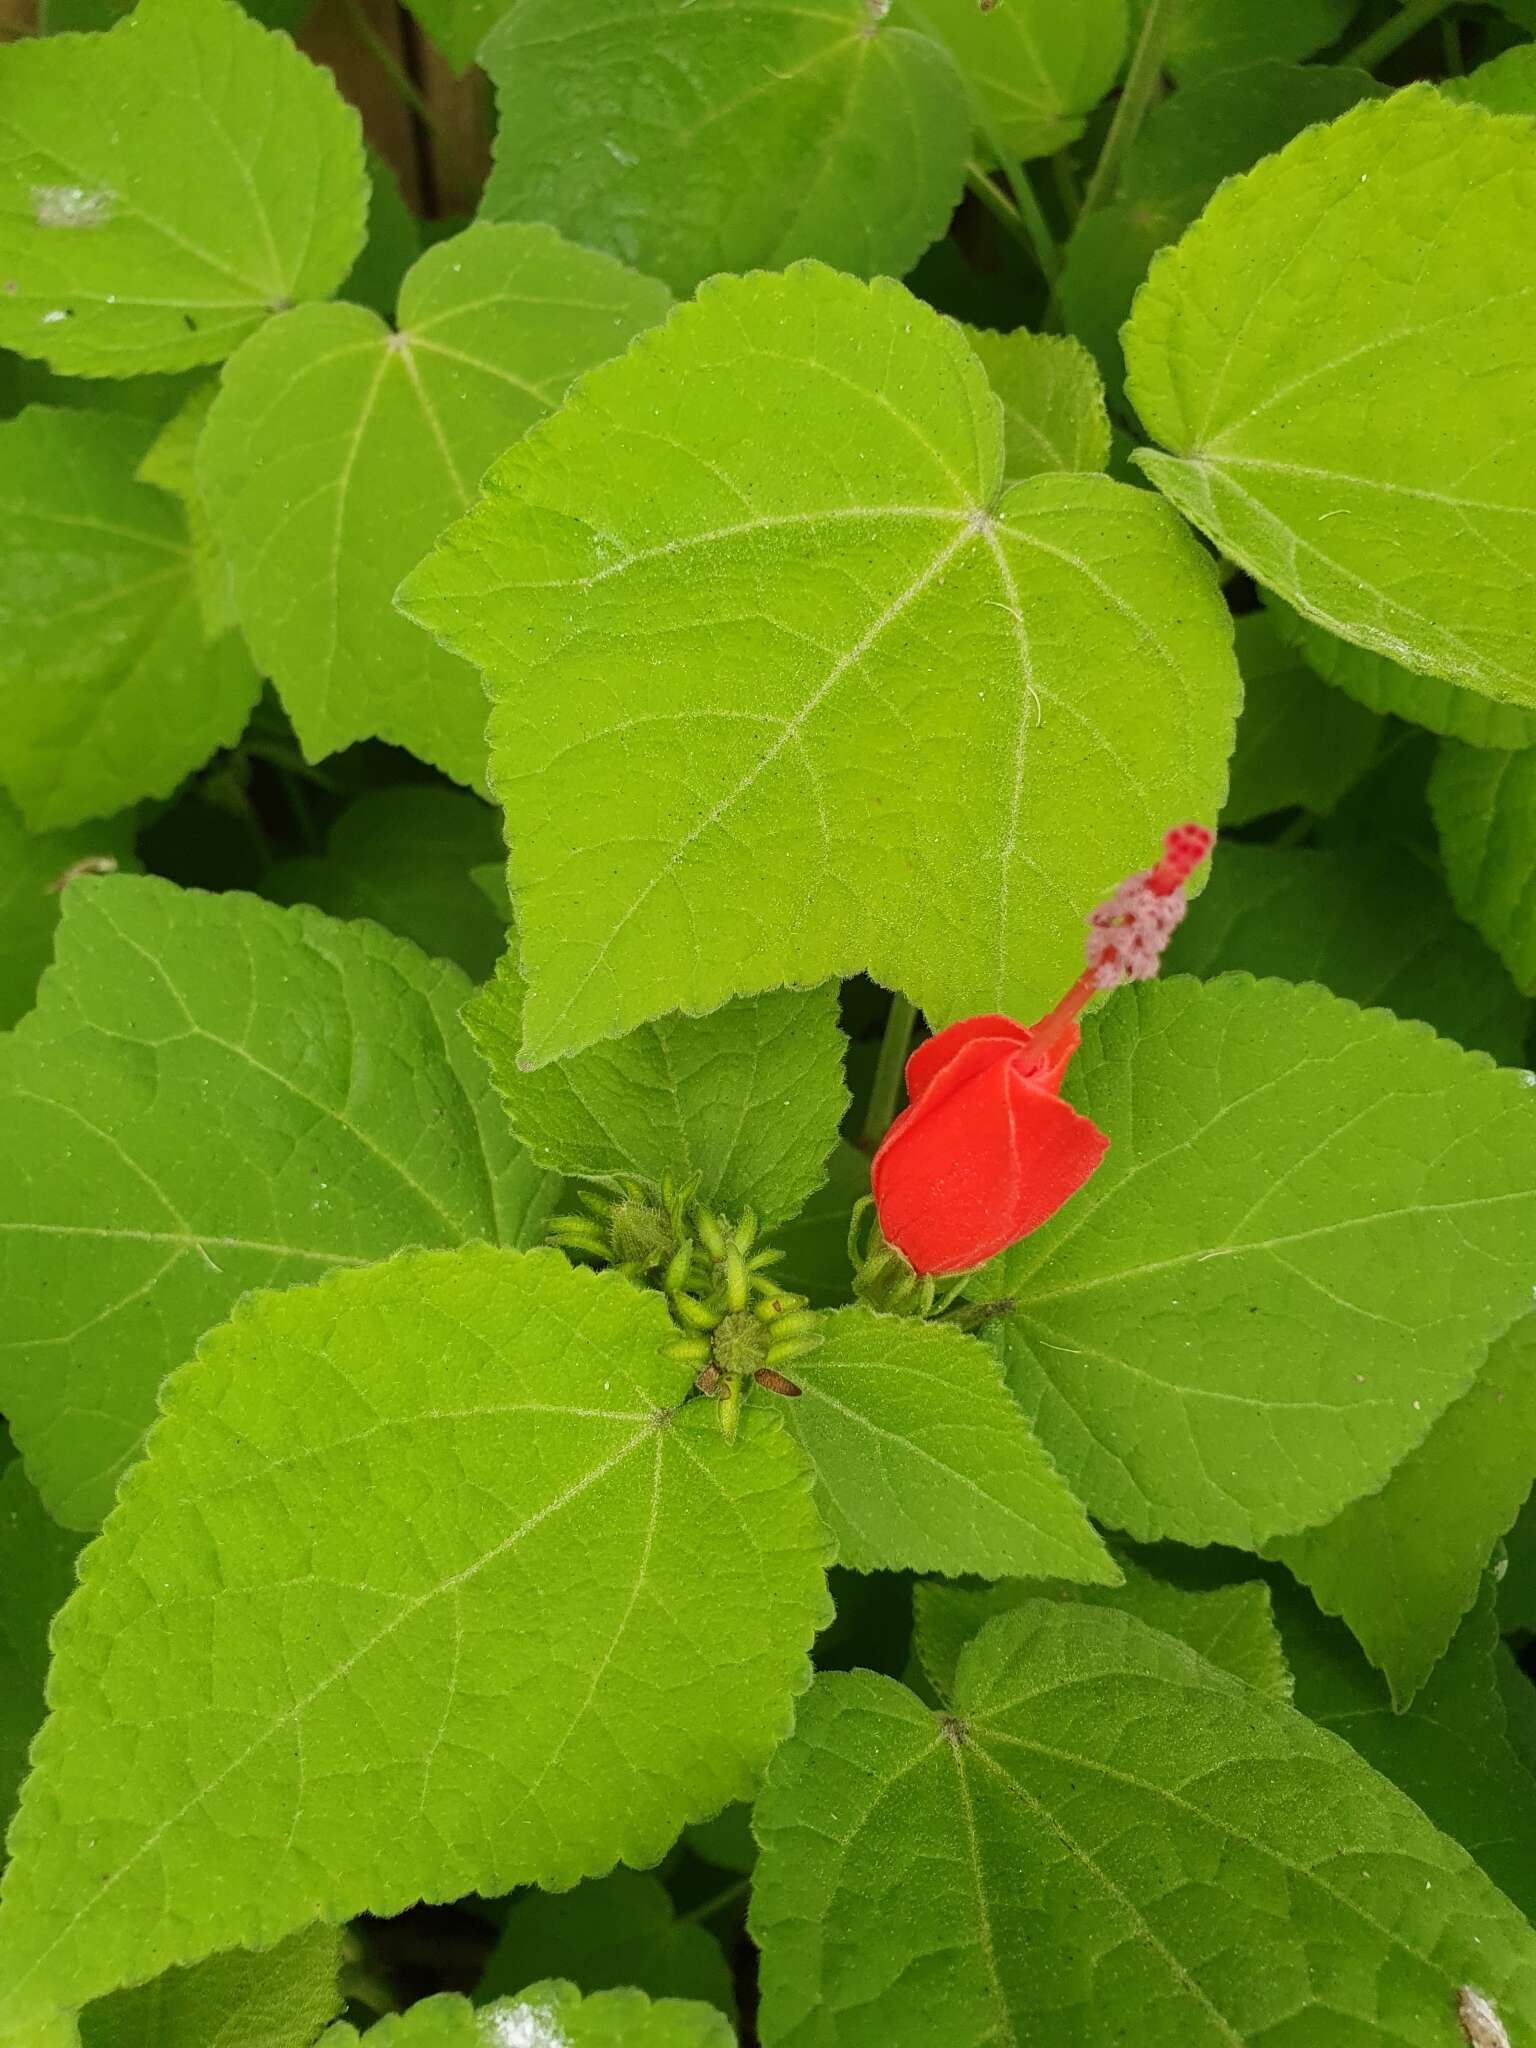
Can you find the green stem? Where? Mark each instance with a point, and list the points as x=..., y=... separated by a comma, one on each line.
x=1394, y=33
x=384, y=57
x=888, y=1069
x=1136, y=96
x=1069, y=188
x=1029, y=229
x=717, y=1904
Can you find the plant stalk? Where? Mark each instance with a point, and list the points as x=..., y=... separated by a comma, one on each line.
x=888, y=1070
x=1136, y=97
x=1393, y=34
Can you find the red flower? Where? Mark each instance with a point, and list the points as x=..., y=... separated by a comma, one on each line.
x=987, y=1150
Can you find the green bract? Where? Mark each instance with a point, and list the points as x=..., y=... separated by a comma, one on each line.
x=731, y=136
x=167, y=186
x=861, y=624
x=455, y=1490
x=338, y=448
x=1353, y=433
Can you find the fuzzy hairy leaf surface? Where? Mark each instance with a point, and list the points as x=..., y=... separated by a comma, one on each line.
x=109, y=688
x=1035, y=69
x=550, y=2014
x=1232, y=1627
x=338, y=449
x=1368, y=922
x=1221, y=1355
x=749, y=1098
x=451, y=1498
x=1298, y=741
x=1485, y=813
x=167, y=186
x=215, y=1095
x=1053, y=401
x=276, y=1998
x=1450, y=1751
x=1293, y=383
x=791, y=131
x=1402, y=1566
x=1107, y=1833
x=1383, y=685
x=617, y=1930
x=923, y=1460
x=404, y=858
x=32, y=864
x=787, y=683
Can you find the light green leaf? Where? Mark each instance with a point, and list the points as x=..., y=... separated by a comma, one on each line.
x=393, y=244
x=169, y=465
x=749, y=1097
x=337, y=451
x=923, y=1461
x=32, y=869
x=403, y=857
x=547, y=2015
x=1298, y=742
x=167, y=186
x=1325, y=435
x=450, y=1498
x=898, y=717
x=109, y=690
x=1211, y=36
x=1232, y=1627
x=215, y=1095
x=459, y=27
x=1507, y=85
x=1485, y=813
x=1052, y=398
x=277, y=1999
x=792, y=132
x=1036, y=69
x=1381, y=685
x=1450, y=1752
x=1311, y=1222
x=1109, y=1836
x=1370, y=922
x=1189, y=143
x=815, y=1243
x=1402, y=1566
x=37, y=1575
x=616, y=1930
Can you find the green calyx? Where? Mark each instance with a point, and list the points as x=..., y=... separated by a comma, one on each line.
x=885, y=1280
x=641, y=1229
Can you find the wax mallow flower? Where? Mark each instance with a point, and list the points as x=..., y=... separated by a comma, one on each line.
x=986, y=1149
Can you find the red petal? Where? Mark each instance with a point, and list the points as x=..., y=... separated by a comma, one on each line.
x=978, y=1164
x=935, y=1053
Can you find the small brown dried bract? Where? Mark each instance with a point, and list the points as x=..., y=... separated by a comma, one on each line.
x=775, y=1382
x=93, y=864
x=1479, y=2022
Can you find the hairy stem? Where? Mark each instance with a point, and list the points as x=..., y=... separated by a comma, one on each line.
x=1136, y=96
x=887, y=1082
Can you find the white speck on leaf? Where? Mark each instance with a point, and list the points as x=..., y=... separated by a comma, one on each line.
x=1479, y=2022
x=71, y=206
x=523, y=2026
x=52, y=319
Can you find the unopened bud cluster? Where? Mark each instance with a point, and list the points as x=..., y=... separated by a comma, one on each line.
x=736, y=1325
